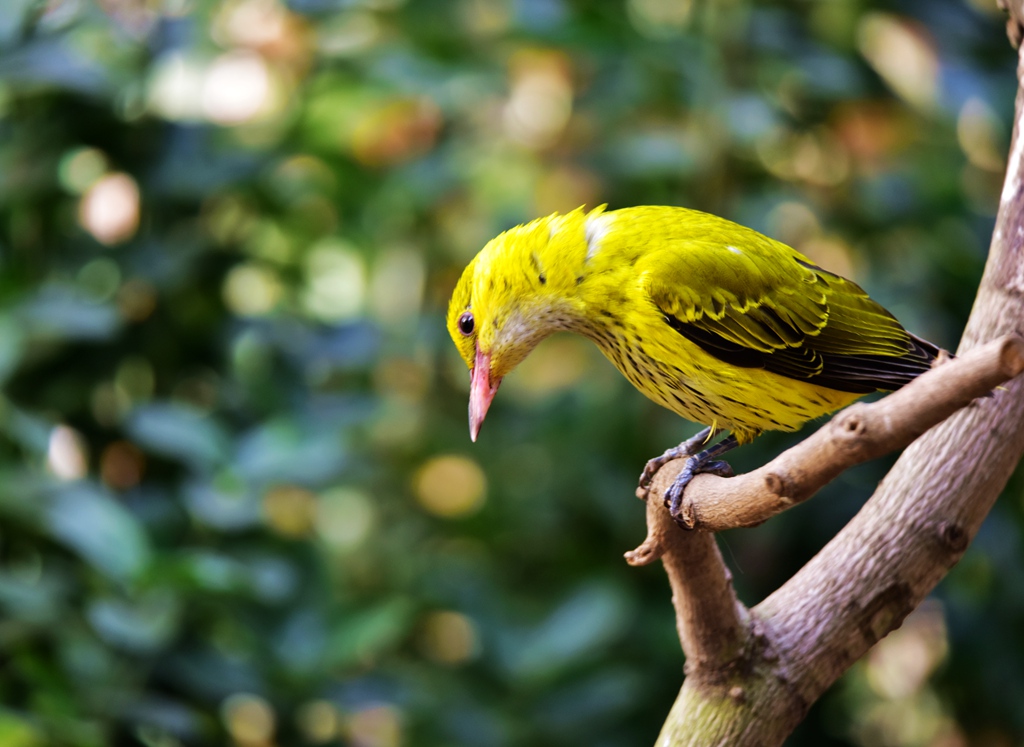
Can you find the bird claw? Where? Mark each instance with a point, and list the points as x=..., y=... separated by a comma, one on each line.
x=687, y=448
x=655, y=464
x=694, y=466
x=696, y=463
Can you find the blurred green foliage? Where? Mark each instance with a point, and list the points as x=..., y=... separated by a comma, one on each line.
x=238, y=502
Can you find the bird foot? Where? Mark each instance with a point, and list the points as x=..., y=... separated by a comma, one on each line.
x=687, y=448
x=655, y=464
x=695, y=465
x=706, y=461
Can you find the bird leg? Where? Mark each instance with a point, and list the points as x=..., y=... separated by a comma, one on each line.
x=705, y=462
x=687, y=448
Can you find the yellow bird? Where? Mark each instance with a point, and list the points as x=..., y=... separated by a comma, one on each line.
x=717, y=322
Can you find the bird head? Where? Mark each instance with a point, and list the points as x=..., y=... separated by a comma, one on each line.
x=505, y=303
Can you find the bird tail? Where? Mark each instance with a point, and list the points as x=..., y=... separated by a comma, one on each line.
x=887, y=373
x=927, y=350
x=922, y=356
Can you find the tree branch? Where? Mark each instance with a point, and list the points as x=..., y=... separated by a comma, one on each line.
x=712, y=623
x=1014, y=21
x=857, y=434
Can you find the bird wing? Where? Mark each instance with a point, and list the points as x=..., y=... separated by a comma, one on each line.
x=756, y=303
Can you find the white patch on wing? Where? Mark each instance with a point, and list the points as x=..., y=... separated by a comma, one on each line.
x=595, y=229
x=734, y=250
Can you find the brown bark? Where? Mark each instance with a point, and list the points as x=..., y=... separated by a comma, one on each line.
x=752, y=675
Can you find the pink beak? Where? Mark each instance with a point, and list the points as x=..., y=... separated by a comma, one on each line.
x=481, y=392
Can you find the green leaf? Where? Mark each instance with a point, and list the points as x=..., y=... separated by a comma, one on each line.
x=98, y=528
x=283, y=452
x=60, y=312
x=146, y=624
x=366, y=634
x=224, y=503
x=179, y=432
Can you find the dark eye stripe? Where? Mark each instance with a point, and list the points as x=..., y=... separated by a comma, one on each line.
x=466, y=324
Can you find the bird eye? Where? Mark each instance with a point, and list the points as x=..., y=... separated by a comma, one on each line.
x=466, y=324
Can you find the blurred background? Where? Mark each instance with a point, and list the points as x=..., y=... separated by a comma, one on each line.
x=238, y=500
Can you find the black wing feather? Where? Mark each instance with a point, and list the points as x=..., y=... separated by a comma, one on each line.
x=858, y=374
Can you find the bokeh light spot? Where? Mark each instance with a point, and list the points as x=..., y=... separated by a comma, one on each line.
x=902, y=55
x=485, y=18
x=109, y=209
x=289, y=510
x=122, y=465
x=872, y=130
x=335, y=281
x=396, y=287
x=250, y=23
x=450, y=486
x=540, y=103
x=399, y=422
x=236, y=88
x=175, y=89
x=344, y=517
x=66, y=454
x=449, y=637
x=249, y=719
x=108, y=404
x=818, y=157
x=100, y=278
x=228, y=218
x=252, y=289
x=979, y=135
x=319, y=721
x=377, y=726
x=80, y=168
x=793, y=223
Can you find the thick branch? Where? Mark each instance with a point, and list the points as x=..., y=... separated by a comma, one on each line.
x=857, y=434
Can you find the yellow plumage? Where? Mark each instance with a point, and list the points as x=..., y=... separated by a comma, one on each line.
x=714, y=321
